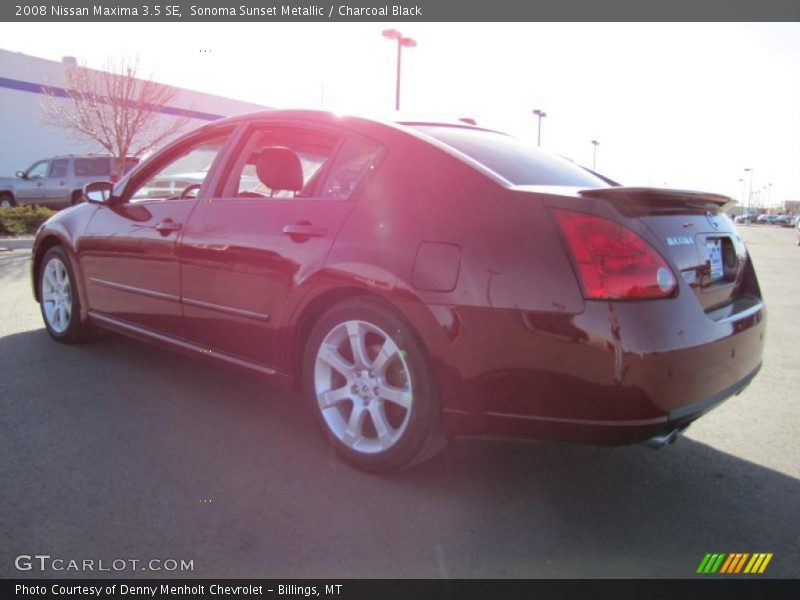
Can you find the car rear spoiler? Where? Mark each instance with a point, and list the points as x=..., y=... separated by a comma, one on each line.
x=657, y=200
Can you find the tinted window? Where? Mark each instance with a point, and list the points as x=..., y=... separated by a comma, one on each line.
x=510, y=158
x=355, y=158
x=312, y=148
x=58, y=168
x=130, y=163
x=96, y=166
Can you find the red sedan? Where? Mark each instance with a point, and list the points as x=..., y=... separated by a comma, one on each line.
x=416, y=281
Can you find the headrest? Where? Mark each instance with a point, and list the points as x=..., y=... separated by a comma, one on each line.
x=279, y=168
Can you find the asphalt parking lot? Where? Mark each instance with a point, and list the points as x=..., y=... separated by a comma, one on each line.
x=115, y=449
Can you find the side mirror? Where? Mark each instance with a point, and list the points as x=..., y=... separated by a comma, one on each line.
x=20, y=174
x=98, y=192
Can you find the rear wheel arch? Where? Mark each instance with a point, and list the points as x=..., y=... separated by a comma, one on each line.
x=8, y=196
x=318, y=306
x=425, y=434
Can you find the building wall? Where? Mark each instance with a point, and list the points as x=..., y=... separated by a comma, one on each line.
x=792, y=207
x=24, y=138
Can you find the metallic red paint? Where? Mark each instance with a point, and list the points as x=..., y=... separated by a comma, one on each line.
x=516, y=348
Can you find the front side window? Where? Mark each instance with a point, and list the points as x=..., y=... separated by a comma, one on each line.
x=38, y=169
x=282, y=163
x=58, y=168
x=183, y=174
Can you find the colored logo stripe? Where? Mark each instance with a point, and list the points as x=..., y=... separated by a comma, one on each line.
x=710, y=563
x=734, y=563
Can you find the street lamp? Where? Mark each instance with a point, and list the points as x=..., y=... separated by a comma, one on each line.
x=595, y=143
x=750, y=193
x=741, y=180
x=402, y=42
x=541, y=114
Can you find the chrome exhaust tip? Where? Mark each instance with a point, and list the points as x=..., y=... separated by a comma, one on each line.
x=667, y=437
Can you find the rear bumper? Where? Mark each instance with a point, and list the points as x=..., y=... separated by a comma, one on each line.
x=615, y=374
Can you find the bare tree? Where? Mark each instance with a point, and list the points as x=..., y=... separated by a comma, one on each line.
x=113, y=108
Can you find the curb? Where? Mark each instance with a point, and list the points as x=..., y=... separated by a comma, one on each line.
x=16, y=243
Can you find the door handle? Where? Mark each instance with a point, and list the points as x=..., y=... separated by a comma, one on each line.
x=168, y=225
x=304, y=230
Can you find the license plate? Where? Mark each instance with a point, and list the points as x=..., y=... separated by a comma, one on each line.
x=715, y=258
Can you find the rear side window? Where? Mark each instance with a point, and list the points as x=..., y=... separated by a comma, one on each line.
x=130, y=162
x=510, y=158
x=357, y=156
x=96, y=166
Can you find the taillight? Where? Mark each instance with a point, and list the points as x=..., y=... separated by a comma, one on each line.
x=612, y=261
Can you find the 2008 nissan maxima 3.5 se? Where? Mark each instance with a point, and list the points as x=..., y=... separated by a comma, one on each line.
x=416, y=281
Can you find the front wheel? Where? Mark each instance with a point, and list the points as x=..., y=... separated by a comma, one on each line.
x=58, y=297
x=7, y=201
x=368, y=382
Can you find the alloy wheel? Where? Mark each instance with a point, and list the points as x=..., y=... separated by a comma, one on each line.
x=363, y=386
x=56, y=295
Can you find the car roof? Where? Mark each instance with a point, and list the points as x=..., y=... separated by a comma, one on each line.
x=323, y=117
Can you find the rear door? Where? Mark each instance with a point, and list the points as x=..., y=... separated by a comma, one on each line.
x=57, y=191
x=129, y=250
x=247, y=250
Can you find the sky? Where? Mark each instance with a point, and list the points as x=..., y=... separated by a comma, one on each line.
x=671, y=104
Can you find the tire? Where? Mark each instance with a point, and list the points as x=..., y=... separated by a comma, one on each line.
x=58, y=298
x=77, y=198
x=386, y=379
x=7, y=201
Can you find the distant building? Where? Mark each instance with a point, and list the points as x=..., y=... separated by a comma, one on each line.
x=26, y=139
x=792, y=207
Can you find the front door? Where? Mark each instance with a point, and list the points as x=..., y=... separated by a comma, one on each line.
x=129, y=250
x=246, y=252
x=30, y=189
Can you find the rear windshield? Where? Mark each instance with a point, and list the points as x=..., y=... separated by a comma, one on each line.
x=510, y=158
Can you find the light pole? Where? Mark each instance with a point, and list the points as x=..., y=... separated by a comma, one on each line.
x=741, y=180
x=402, y=42
x=750, y=193
x=595, y=143
x=541, y=114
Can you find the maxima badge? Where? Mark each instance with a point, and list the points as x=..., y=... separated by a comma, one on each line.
x=679, y=240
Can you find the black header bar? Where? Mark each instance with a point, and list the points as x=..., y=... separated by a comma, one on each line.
x=399, y=10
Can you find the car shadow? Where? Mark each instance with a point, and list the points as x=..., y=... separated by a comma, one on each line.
x=117, y=449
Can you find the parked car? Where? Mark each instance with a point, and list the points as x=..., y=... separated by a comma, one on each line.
x=417, y=281
x=746, y=218
x=57, y=182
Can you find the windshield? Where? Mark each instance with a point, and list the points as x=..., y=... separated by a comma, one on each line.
x=512, y=159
